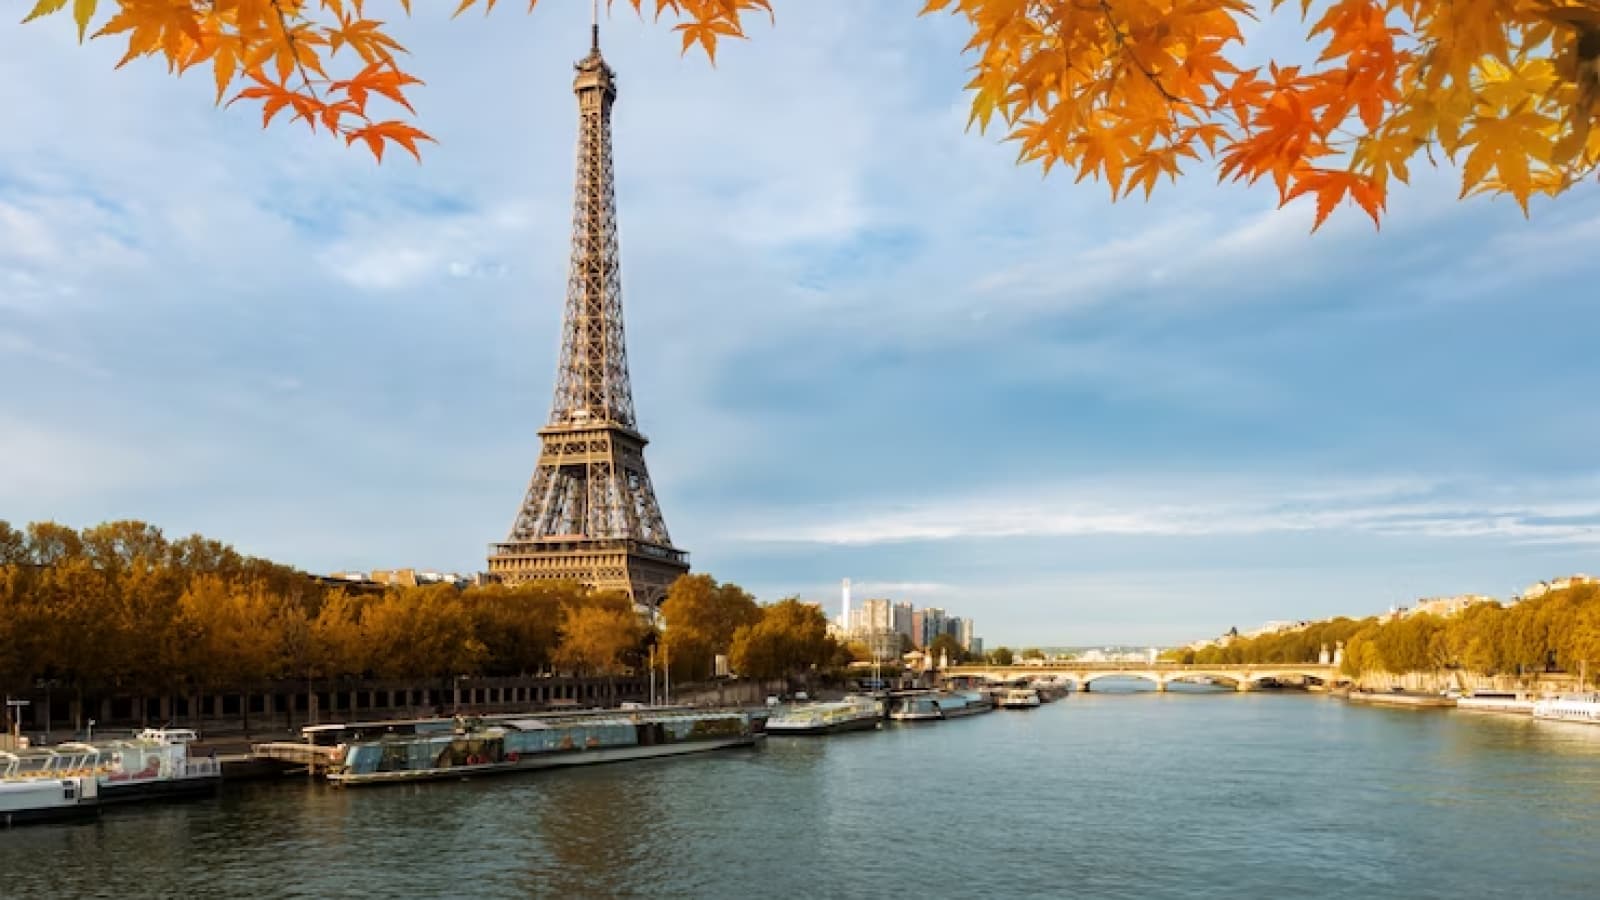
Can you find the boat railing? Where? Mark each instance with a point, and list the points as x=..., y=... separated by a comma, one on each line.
x=203, y=767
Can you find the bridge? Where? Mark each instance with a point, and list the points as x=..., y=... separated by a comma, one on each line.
x=1161, y=674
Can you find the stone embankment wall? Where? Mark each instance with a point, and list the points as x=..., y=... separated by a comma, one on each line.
x=284, y=706
x=1434, y=682
x=743, y=692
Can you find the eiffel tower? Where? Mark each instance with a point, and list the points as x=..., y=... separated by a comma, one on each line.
x=590, y=514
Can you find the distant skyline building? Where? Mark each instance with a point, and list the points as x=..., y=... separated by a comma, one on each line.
x=901, y=619
x=876, y=616
x=932, y=624
x=844, y=607
x=879, y=616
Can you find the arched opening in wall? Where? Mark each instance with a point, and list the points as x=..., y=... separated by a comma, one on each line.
x=1118, y=684
x=1202, y=684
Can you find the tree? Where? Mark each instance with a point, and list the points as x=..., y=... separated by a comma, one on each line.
x=336, y=644
x=701, y=617
x=789, y=637
x=1032, y=653
x=519, y=626
x=946, y=645
x=1128, y=91
x=1001, y=656
x=596, y=632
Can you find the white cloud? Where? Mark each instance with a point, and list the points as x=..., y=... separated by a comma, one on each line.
x=1565, y=513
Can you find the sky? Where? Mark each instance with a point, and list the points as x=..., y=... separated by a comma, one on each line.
x=864, y=342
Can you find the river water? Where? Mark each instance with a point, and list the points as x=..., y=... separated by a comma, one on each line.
x=1099, y=795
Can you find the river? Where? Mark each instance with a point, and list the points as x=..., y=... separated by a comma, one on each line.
x=1100, y=795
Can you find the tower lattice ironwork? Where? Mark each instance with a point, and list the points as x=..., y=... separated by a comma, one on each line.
x=590, y=514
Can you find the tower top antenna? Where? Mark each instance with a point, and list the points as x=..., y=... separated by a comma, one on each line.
x=594, y=26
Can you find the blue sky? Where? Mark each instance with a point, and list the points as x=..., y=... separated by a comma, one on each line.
x=864, y=343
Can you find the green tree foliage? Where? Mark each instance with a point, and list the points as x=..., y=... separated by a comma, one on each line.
x=701, y=617
x=788, y=637
x=1032, y=653
x=1001, y=656
x=948, y=645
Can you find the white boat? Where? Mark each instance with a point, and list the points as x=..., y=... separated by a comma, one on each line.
x=47, y=785
x=1570, y=708
x=1020, y=698
x=503, y=745
x=849, y=714
x=155, y=763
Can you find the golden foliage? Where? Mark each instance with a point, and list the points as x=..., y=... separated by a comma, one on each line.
x=701, y=617
x=118, y=609
x=1124, y=90
x=1128, y=89
x=786, y=637
x=1559, y=630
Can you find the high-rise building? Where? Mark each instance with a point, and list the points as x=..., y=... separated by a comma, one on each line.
x=845, y=625
x=919, y=628
x=590, y=513
x=952, y=627
x=932, y=624
x=875, y=617
x=900, y=620
x=966, y=637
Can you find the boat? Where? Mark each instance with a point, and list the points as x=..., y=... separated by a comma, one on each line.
x=922, y=707
x=956, y=704
x=1569, y=708
x=45, y=785
x=849, y=714
x=475, y=746
x=1496, y=702
x=1050, y=690
x=155, y=763
x=1020, y=698
x=1397, y=697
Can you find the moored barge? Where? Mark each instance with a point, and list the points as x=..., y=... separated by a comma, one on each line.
x=475, y=746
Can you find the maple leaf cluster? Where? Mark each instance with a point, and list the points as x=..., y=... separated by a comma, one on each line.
x=1127, y=90
x=1122, y=90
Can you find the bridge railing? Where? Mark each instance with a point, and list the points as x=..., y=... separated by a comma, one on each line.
x=1127, y=666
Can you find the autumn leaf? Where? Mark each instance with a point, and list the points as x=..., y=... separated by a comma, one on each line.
x=397, y=132
x=1113, y=90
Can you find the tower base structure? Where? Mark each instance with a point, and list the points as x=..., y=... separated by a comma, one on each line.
x=640, y=570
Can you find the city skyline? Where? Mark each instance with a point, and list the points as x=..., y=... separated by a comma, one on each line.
x=863, y=341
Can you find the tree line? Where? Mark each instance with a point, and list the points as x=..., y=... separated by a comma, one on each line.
x=1556, y=632
x=119, y=609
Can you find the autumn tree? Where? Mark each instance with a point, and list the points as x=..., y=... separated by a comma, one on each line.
x=519, y=625
x=598, y=631
x=1125, y=91
x=1001, y=656
x=701, y=617
x=420, y=632
x=335, y=643
x=789, y=637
